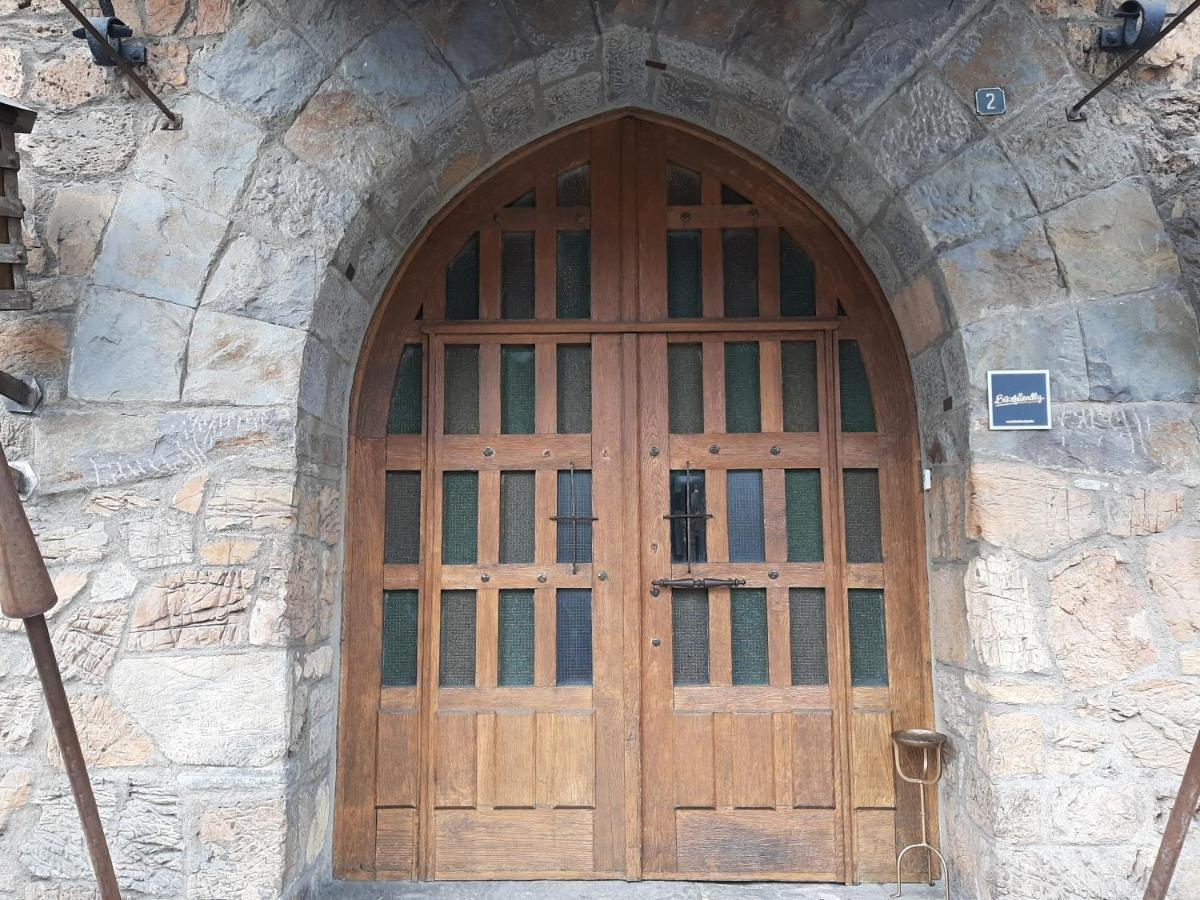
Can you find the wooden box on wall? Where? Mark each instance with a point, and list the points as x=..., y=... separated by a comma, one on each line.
x=14, y=290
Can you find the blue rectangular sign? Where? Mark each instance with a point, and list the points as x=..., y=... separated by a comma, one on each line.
x=1019, y=400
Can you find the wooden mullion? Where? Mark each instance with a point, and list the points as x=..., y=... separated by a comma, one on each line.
x=686, y=218
x=489, y=388
x=720, y=659
x=770, y=365
x=775, y=515
x=715, y=487
x=545, y=628
x=713, y=364
x=516, y=218
x=546, y=393
x=488, y=540
x=545, y=530
x=779, y=642
x=487, y=636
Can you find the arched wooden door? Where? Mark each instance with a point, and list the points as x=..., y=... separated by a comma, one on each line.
x=634, y=574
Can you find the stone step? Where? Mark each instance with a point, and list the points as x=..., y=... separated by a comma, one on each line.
x=614, y=890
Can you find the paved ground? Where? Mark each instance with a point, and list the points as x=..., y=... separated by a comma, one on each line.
x=615, y=890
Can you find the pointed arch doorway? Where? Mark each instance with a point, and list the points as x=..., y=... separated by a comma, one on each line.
x=634, y=567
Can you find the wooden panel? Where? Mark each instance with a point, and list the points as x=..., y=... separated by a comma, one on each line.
x=742, y=451
x=812, y=754
x=512, y=842
x=566, y=760
x=694, y=761
x=396, y=781
x=871, y=760
x=514, y=760
x=798, y=843
x=753, y=751
x=455, y=752
x=514, y=451
x=781, y=727
x=779, y=638
x=395, y=843
x=750, y=697
x=527, y=698
x=875, y=837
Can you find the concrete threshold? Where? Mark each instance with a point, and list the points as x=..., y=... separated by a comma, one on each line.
x=616, y=890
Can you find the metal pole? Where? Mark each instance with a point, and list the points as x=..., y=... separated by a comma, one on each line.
x=1073, y=112
x=1186, y=804
x=17, y=390
x=173, y=118
x=68, y=744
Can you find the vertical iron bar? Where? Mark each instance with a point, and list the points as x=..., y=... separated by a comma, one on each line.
x=574, y=526
x=73, y=762
x=1186, y=804
x=687, y=509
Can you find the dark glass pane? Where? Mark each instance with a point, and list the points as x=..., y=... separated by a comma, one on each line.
x=743, y=403
x=575, y=187
x=456, y=662
x=398, y=664
x=730, y=197
x=689, y=636
x=574, y=388
x=797, y=279
x=402, y=531
x=739, y=249
x=687, y=497
x=460, y=518
x=809, y=665
x=868, y=639
x=574, y=275
x=516, y=638
x=806, y=541
x=405, y=414
x=462, y=282
x=517, y=401
x=799, y=360
x=685, y=388
x=858, y=413
x=516, y=517
x=683, y=186
x=863, y=537
x=525, y=201
x=517, y=277
x=574, y=500
x=574, y=633
x=744, y=502
x=748, y=635
x=685, y=284
x=462, y=390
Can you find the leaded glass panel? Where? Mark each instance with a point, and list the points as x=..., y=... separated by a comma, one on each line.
x=456, y=657
x=739, y=250
x=800, y=409
x=689, y=636
x=398, y=662
x=863, y=528
x=858, y=412
x=460, y=518
x=868, y=638
x=809, y=655
x=683, y=186
x=461, y=396
x=574, y=636
x=806, y=540
x=744, y=505
x=516, y=636
x=573, y=278
x=685, y=388
x=574, y=187
x=517, y=275
x=797, y=279
x=574, y=543
x=517, y=389
x=685, y=284
x=516, y=517
x=748, y=635
x=462, y=282
x=743, y=400
x=574, y=388
x=402, y=528
x=689, y=522
x=405, y=414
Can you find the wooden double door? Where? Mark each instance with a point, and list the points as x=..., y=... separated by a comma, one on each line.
x=633, y=579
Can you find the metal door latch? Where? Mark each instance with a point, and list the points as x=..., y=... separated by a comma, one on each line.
x=698, y=582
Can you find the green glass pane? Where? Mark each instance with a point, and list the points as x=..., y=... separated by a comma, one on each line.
x=863, y=530
x=800, y=411
x=742, y=395
x=808, y=639
x=574, y=380
x=402, y=528
x=730, y=197
x=405, y=414
x=868, y=639
x=797, y=279
x=748, y=635
x=516, y=517
x=858, y=413
x=685, y=284
x=517, y=392
x=456, y=656
x=461, y=390
x=689, y=636
x=685, y=388
x=398, y=663
x=683, y=186
x=573, y=278
x=573, y=630
x=739, y=251
x=460, y=518
x=806, y=542
x=526, y=201
x=517, y=277
x=462, y=282
x=516, y=650
x=744, y=508
x=574, y=187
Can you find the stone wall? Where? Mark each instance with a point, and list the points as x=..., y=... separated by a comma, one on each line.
x=200, y=301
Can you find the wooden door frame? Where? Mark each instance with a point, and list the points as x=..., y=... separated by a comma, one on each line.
x=870, y=322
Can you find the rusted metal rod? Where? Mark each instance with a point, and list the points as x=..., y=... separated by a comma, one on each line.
x=173, y=118
x=1186, y=804
x=1075, y=113
x=17, y=390
x=72, y=754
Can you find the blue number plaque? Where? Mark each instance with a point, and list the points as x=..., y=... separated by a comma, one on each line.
x=991, y=102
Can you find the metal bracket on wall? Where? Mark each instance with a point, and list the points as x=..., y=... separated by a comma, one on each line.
x=1139, y=31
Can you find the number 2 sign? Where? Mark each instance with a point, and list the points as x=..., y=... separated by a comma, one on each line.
x=990, y=102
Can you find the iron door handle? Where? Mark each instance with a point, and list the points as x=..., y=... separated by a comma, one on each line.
x=698, y=583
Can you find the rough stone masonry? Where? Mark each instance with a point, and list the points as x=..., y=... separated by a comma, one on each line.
x=196, y=328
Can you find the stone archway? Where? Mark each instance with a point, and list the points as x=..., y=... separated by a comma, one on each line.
x=316, y=152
